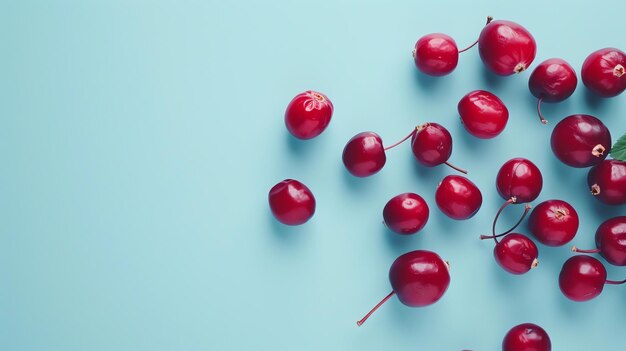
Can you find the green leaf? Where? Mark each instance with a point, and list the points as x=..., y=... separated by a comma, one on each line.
x=618, y=151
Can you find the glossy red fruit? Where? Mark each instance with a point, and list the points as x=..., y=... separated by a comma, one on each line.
x=308, y=114
x=580, y=141
x=607, y=182
x=483, y=114
x=526, y=337
x=582, y=278
x=610, y=241
x=364, y=154
x=436, y=54
x=458, y=198
x=506, y=47
x=603, y=72
x=516, y=253
x=291, y=202
x=432, y=145
x=406, y=213
x=419, y=278
x=553, y=80
x=554, y=222
x=519, y=178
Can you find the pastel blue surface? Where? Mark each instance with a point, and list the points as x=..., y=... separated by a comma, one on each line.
x=139, y=140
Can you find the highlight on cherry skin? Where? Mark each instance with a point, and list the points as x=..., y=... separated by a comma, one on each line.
x=483, y=114
x=582, y=278
x=607, y=182
x=308, y=114
x=437, y=54
x=553, y=80
x=603, y=72
x=610, y=241
x=291, y=202
x=506, y=47
x=580, y=141
x=458, y=197
x=406, y=213
x=526, y=337
x=418, y=278
x=554, y=222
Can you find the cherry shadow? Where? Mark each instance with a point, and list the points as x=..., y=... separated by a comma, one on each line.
x=398, y=243
x=287, y=234
x=492, y=80
x=594, y=101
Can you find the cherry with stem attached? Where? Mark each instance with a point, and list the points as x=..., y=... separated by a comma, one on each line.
x=582, y=278
x=553, y=80
x=437, y=54
x=610, y=241
x=418, y=278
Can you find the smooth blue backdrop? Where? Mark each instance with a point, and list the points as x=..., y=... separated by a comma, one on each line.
x=139, y=139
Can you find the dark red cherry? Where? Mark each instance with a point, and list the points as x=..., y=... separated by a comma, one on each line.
x=364, y=154
x=554, y=222
x=458, y=198
x=607, y=182
x=419, y=278
x=406, y=213
x=308, y=114
x=436, y=54
x=432, y=145
x=580, y=141
x=526, y=337
x=582, y=278
x=483, y=114
x=506, y=48
x=519, y=178
x=291, y=202
x=603, y=72
x=553, y=80
x=516, y=253
x=610, y=241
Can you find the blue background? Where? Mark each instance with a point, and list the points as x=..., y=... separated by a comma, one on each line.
x=139, y=140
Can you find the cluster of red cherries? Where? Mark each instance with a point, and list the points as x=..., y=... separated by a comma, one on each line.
x=420, y=278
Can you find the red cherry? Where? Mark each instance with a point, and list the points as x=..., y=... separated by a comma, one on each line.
x=419, y=278
x=436, y=54
x=506, y=48
x=603, y=72
x=483, y=114
x=308, y=114
x=458, y=198
x=432, y=145
x=526, y=337
x=611, y=241
x=553, y=80
x=554, y=222
x=291, y=202
x=583, y=277
x=607, y=182
x=364, y=154
x=406, y=213
x=519, y=178
x=516, y=253
x=580, y=141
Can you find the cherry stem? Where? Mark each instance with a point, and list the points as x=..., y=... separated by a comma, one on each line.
x=493, y=227
x=455, y=167
x=489, y=19
x=615, y=282
x=526, y=209
x=575, y=249
x=359, y=323
x=543, y=120
x=401, y=141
